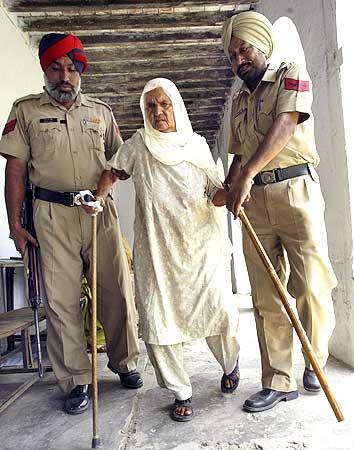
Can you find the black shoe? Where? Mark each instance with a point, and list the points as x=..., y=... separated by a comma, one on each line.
x=266, y=399
x=310, y=381
x=130, y=380
x=78, y=400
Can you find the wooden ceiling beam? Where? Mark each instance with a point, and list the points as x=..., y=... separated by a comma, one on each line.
x=210, y=48
x=124, y=7
x=108, y=20
x=126, y=82
x=151, y=65
x=134, y=37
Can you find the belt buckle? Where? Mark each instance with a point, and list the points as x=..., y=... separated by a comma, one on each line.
x=268, y=177
x=71, y=199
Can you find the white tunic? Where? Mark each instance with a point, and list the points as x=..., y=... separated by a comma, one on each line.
x=181, y=250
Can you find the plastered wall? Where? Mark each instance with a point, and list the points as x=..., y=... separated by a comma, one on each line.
x=316, y=24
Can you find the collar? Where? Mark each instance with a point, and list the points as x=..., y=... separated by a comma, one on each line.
x=270, y=75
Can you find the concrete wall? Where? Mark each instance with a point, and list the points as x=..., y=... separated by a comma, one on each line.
x=316, y=24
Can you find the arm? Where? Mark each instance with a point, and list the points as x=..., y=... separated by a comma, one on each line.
x=273, y=143
x=15, y=187
x=105, y=184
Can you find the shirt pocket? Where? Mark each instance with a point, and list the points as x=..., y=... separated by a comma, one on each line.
x=93, y=135
x=264, y=115
x=46, y=137
x=239, y=126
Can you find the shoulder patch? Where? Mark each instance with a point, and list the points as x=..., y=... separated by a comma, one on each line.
x=296, y=85
x=27, y=97
x=10, y=126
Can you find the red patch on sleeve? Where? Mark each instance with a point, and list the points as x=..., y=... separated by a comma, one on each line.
x=10, y=126
x=296, y=85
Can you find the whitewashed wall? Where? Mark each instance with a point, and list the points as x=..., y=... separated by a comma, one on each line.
x=316, y=24
x=20, y=75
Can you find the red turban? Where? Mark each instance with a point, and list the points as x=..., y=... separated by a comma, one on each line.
x=53, y=46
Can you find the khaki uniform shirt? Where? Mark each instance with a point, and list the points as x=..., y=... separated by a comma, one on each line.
x=284, y=89
x=66, y=149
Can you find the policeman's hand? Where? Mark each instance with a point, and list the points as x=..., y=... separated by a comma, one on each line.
x=239, y=194
x=21, y=237
x=91, y=205
x=119, y=175
x=92, y=210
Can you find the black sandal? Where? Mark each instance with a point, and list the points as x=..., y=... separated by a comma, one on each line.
x=177, y=417
x=233, y=376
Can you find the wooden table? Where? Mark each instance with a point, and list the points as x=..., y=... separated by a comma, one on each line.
x=11, y=322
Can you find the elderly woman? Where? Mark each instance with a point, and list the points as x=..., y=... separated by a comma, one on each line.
x=181, y=250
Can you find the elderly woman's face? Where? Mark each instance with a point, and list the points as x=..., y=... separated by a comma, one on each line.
x=160, y=111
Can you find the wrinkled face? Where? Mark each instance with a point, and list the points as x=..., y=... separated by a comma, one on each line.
x=248, y=63
x=62, y=80
x=160, y=111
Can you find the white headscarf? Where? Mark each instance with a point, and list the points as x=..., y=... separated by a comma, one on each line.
x=182, y=145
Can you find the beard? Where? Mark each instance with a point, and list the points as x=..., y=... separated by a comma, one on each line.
x=246, y=72
x=54, y=91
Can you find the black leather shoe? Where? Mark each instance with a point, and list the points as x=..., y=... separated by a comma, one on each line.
x=310, y=381
x=130, y=380
x=266, y=399
x=78, y=400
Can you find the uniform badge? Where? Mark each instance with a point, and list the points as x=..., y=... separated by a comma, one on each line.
x=296, y=85
x=48, y=120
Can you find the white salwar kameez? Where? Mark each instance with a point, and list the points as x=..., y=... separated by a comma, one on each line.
x=181, y=254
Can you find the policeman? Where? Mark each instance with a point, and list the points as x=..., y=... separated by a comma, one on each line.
x=63, y=139
x=272, y=139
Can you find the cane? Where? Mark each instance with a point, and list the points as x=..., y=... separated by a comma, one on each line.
x=95, y=433
x=294, y=320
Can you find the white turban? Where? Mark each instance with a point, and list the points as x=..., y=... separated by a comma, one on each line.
x=251, y=27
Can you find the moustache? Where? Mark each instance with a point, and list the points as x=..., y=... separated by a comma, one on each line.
x=246, y=63
x=64, y=84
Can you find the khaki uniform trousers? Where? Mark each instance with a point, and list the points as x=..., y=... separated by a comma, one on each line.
x=64, y=235
x=288, y=218
x=167, y=361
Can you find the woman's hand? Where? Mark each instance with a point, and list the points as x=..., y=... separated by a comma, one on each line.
x=119, y=175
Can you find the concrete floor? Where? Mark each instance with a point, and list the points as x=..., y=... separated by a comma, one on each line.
x=139, y=419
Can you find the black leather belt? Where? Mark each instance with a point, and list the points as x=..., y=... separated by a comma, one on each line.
x=276, y=175
x=64, y=198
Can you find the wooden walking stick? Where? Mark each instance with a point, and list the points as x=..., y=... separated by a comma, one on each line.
x=293, y=318
x=95, y=433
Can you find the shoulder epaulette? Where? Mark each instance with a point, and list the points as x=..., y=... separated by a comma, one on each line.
x=27, y=97
x=97, y=100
